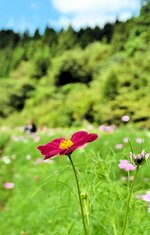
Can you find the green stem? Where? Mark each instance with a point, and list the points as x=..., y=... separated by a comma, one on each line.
x=79, y=193
x=128, y=202
x=85, y=206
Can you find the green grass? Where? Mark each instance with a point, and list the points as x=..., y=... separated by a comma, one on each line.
x=44, y=200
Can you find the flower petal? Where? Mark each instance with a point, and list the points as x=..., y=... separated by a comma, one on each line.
x=67, y=151
x=51, y=149
x=77, y=136
x=126, y=165
x=82, y=137
x=79, y=139
x=52, y=154
x=92, y=137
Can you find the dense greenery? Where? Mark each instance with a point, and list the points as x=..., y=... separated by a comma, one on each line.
x=68, y=77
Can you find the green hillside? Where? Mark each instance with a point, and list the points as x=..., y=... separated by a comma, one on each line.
x=70, y=78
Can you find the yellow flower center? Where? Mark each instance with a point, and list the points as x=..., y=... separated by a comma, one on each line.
x=65, y=144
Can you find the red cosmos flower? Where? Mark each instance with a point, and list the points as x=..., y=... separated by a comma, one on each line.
x=64, y=146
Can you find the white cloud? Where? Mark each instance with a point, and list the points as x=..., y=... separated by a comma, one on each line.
x=82, y=20
x=93, y=12
x=125, y=15
x=76, y=6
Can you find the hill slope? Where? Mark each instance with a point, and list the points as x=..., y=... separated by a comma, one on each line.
x=67, y=77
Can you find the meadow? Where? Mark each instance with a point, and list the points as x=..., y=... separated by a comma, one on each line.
x=42, y=197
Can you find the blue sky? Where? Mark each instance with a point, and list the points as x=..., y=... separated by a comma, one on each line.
x=22, y=15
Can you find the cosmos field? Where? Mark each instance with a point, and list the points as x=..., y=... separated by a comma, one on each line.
x=39, y=197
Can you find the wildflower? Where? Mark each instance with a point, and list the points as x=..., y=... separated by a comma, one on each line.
x=108, y=129
x=51, y=133
x=146, y=198
x=9, y=185
x=64, y=146
x=36, y=138
x=146, y=179
x=126, y=165
x=123, y=178
x=102, y=128
x=139, y=140
x=119, y=146
x=6, y=160
x=139, y=159
x=90, y=127
x=126, y=140
x=38, y=161
x=28, y=157
x=125, y=118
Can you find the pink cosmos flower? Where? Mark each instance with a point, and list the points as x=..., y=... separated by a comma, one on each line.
x=125, y=118
x=108, y=129
x=139, y=140
x=36, y=138
x=146, y=197
x=64, y=146
x=119, y=146
x=90, y=127
x=9, y=185
x=102, y=127
x=126, y=140
x=126, y=165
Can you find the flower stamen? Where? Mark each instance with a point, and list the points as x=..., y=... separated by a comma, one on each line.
x=65, y=144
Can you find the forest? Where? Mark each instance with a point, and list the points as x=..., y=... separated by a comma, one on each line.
x=71, y=78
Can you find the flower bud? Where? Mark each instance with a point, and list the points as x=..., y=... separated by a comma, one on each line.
x=83, y=195
x=139, y=159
